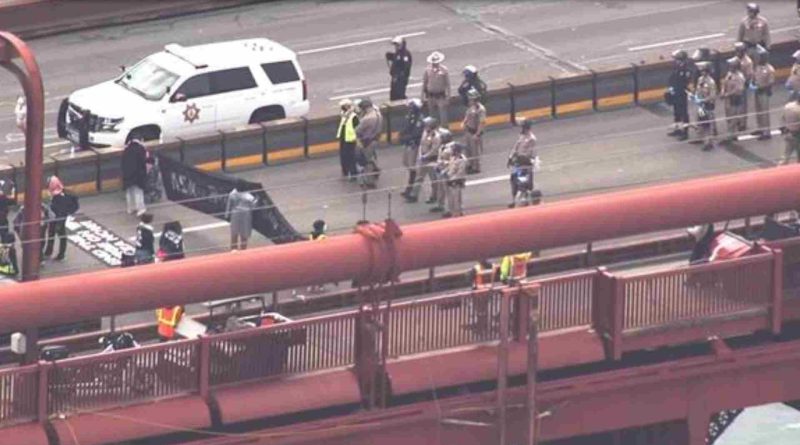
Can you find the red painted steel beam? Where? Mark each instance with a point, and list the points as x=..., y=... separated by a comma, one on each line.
x=370, y=256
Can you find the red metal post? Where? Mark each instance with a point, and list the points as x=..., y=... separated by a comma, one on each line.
x=41, y=400
x=532, y=316
x=204, y=363
x=502, y=365
x=618, y=317
x=777, y=291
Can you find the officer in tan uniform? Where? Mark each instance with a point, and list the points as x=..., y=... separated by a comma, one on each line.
x=473, y=125
x=791, y=128
x=793, y=82
x=426, y=159
x=732, y=92
x=705, y=97
x=436, y=87
x=754, y=30
x=456, y=180
x=746, y=66
x=368, y=132
x=522, y=155
x=440, y=170
x=763, y=79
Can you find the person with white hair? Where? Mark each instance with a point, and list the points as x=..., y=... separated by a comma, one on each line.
x=436, y=87
x=399, y=63
x=346, y=134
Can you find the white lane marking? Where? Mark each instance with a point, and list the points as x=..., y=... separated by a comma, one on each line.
x=488, y=180
x=199, y=228
x=675, y=42
x=750, y=137
x=364, y=93
x=54, y=144
x=361, y=43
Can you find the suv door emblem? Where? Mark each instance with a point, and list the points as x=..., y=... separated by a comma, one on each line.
x=191, y=113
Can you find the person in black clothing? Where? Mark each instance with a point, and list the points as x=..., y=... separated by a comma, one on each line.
x=471, y=82
x=145, y=251
x=410, y=136
x=60, y=209
x=680, y=81
x=134, y=176
x=6, y=236
x=399, y=63
x=702, y=235
x=170, y=245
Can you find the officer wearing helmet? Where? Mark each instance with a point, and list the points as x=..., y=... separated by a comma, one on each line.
x=436, y=88
x=410, y=137
x=522, y=156
x=427, y=156
x=368, y=133
x=705, y=97
x=793, y=82
x=680, y=84
x=346, y=134
x=440, y=169
x=763, y=79
x=732, y=92
x=471, y=82
x=399, y=63
x=754, y=30
x=473, y=125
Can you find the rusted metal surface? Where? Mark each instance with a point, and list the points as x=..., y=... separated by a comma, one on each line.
x=279, y=267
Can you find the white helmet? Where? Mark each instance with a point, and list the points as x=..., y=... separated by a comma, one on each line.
x=470, y=69
x=345, y=104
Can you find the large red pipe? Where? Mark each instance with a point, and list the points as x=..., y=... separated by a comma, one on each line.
x=341, y=258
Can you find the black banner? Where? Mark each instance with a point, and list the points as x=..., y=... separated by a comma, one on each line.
x=97, y=240
x=208, y=193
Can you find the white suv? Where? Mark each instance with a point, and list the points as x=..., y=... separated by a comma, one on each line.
x=186, y=91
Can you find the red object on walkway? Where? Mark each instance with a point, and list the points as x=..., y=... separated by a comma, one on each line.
x=385, y=251
x=728, y=246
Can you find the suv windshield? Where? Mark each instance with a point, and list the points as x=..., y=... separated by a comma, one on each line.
x=148, y=80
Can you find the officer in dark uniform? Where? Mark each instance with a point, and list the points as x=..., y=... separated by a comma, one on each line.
x=399, y=63
x=680, y=81
x=471, y=82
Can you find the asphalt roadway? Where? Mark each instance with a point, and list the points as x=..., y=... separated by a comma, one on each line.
x=341, y=44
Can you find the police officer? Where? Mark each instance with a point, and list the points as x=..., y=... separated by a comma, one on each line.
x=368, y=132
x=471, y=82
x=763, y=79
x=456, y=181
x=793, y=82
x=399, y=63
x=436, y=88
x=706, y=96
x=680, y=81
x=732, y=92
x=791, y=127
x=442, y=161
x=754, y=30
x=346, y=134
x=426, y=159
x=410, y=137
x=473, y=124
x=522, y=155
x=746, y=66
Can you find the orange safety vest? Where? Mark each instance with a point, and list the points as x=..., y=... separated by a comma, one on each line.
x=168, y=318
x=480, y=275
x=519, y=268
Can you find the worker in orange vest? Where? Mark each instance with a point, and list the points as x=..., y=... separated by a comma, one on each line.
x=481, y=275
x=514, y=267
x=168, y=318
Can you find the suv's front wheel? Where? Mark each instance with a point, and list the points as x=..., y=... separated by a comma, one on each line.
x=144, y=134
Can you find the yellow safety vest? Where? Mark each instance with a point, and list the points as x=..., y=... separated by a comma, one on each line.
x=346, y=122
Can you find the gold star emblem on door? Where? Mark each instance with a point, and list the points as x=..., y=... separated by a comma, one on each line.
x=191, y=113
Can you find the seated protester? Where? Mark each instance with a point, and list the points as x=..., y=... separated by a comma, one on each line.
x=170, y=245
x=703, y=235
x=145, y=251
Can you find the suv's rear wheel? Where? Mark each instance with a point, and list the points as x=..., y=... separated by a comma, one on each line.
x=144, y=134
x=266, y=114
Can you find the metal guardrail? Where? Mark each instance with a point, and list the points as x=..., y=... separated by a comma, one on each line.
x=290, y=139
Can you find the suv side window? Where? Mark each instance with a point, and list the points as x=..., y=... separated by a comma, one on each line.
x=196, y=86
x=234, y=79
x=281, y=72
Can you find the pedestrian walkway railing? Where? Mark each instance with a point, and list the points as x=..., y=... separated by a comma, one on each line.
x=292, y=139
x=715, y=297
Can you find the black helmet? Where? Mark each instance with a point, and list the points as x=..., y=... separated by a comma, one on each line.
x=680, y=54
x=365, y=103
x=319, y=225
x=430, y=122
x=459, y=147
x=526, y=124
x=445, y=136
